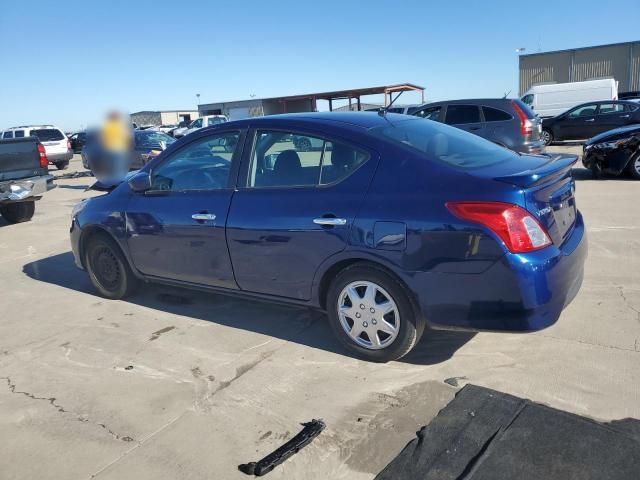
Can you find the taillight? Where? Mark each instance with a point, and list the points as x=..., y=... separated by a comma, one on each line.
x=68, y=144
x=516, y=227
x=44, y=161
x=526, y=128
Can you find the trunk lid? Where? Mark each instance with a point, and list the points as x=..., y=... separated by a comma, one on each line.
x=549, y=193
x=19, y=158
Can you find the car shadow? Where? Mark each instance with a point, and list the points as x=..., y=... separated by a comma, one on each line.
x=294, y=324
x=583, y=174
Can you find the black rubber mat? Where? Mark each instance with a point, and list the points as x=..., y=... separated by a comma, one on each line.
x=487, y=435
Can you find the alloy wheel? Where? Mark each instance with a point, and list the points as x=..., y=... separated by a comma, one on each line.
x=545, y=136
x=368, y=315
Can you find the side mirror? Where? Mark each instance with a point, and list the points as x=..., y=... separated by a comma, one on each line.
x=140, y=182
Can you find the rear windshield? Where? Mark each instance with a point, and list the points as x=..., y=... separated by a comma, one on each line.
x=446, y=144
x=47, y=134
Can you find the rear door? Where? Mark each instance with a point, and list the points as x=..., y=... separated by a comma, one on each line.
x=176, y=230
x=611, y=115
x=294, y=208
x=497, y=123
x=465, y=117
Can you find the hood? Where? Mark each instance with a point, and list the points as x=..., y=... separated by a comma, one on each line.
x=615, y=134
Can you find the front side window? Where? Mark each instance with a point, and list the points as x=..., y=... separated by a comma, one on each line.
x=606, y=108
x=528, y=99
x=20, y=134
x=201, y=165
x=196, y=123
x=430, y=113
x=7, y=135
x=584, y=111
x=285, y=159
x=461, y=114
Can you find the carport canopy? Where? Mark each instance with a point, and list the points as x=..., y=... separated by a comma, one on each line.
x=356, y=93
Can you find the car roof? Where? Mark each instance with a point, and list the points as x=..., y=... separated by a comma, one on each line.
x=473, y=101
x=364, y=120
x=31, y=126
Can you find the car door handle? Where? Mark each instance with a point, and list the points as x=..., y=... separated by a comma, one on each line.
x=330, y=221
x=203, y=217
x=624, y=116
x=590, y=120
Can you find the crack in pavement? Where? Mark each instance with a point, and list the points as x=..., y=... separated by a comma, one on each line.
x=626, y=301
x=636, y=348
x=61, y=409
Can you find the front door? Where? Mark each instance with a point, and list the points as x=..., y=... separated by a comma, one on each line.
x=294, y=210
x=176, y=230
x=579, y=123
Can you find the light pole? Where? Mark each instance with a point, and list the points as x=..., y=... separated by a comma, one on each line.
x=519, y=51
x=197, y=99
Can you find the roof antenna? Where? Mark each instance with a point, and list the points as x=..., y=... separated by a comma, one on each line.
x=507, y=94
x=383, y=110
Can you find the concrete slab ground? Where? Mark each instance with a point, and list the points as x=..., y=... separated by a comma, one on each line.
x=176, y=384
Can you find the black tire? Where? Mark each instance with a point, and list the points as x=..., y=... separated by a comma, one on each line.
x=546, y=136
x=634, y=166
x=62, y=165
x=18, y=212
x=596, y=170
x=411, y=325
x=303, y=144
x=108, y=269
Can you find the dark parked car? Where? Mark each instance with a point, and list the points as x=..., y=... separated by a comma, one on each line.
x=590, y=119
x=402, y=223
x=614, y=152
x=510, y=123
x=146, y=145
x=78, y=140
x=24, y=177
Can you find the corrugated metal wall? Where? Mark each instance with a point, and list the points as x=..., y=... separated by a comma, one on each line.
x=621, y=61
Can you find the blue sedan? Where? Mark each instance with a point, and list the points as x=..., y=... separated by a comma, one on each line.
x=391, y=225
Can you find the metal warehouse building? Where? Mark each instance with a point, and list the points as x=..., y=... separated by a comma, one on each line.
x=620, y=61
x=164, y=117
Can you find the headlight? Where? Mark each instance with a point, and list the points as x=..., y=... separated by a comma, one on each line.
x=610, y=145
x=78, y=207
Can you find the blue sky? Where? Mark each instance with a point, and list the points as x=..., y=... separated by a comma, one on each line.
x=66, y=62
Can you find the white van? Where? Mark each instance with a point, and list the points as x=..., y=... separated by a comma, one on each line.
x=556, y=98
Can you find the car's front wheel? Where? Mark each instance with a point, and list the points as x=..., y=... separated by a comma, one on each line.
x=634, y=166
x=372, y=315
x=546, y=136
x=108, y=270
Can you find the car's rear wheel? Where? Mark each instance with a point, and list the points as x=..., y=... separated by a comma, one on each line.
x=62, y=165
x=372, y=314
x=108, y=270
x=18, y=212
x=634, y=166
x=546, y=136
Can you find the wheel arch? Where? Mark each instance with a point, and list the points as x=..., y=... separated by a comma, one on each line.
x=91, y=231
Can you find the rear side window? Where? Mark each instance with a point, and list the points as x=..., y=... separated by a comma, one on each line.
x=495, y=115
x=47, y=134
x=445, y=144
x=286, y=159
x=7, y=135
x=606, y=108
x=18, y=133
x=461, y=114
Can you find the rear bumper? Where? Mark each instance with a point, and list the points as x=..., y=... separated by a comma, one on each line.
x=25, y=188
x=532, y=148
x=60, y=157
x=520, y=292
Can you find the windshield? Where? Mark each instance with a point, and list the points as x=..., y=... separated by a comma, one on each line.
x=152, y=139
x=47, y=134
x=446, y=144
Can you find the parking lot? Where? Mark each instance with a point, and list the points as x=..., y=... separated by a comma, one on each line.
x=175, y=384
